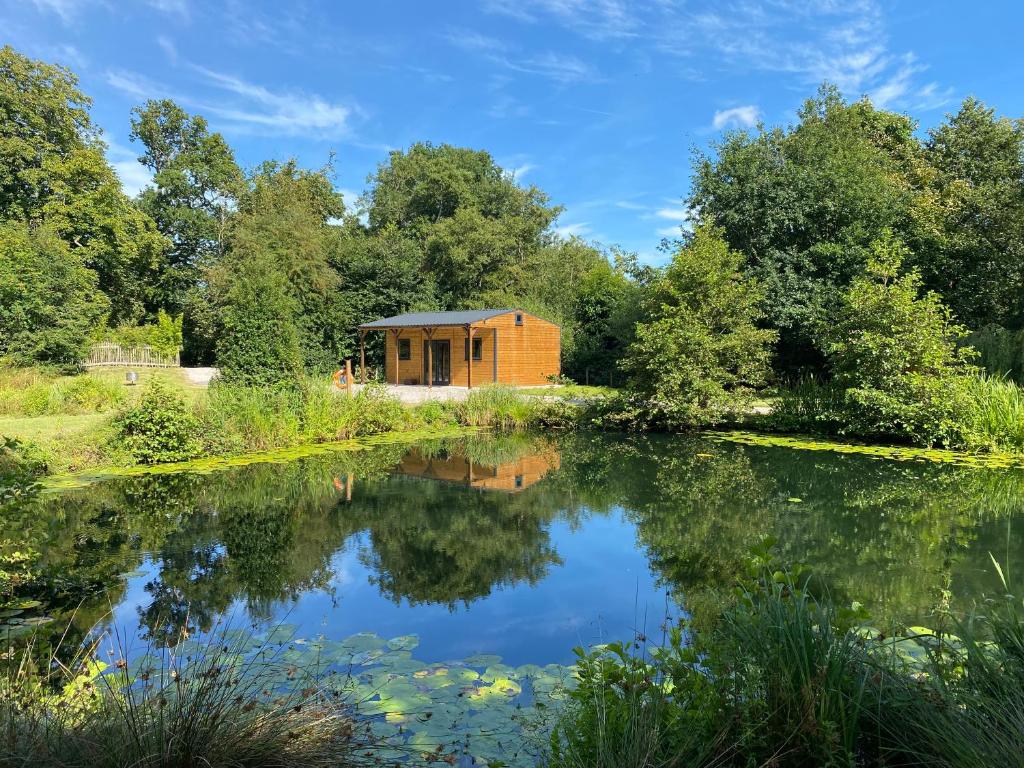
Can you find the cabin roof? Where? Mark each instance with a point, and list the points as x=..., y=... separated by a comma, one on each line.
x=420, y=319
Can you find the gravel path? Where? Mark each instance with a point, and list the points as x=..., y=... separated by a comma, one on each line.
x=199, y=376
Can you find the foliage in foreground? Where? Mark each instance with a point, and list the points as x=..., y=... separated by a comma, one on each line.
x=782, y=678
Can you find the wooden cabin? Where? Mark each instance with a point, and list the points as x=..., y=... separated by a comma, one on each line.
x=467, y=348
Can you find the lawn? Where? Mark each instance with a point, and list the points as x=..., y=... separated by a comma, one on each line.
x=570, y=391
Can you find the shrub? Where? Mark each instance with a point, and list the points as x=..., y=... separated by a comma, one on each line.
x=37, y=392
x=161, y=428
x=700, y=356
x=895, y=355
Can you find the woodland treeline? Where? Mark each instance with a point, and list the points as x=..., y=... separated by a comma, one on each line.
x=270, y=267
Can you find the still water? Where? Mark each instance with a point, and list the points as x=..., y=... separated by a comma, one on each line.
x=521, y=545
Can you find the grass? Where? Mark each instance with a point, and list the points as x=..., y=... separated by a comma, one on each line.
x=998, y=413
x=229, y=702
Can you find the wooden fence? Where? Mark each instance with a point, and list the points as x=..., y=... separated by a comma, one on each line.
x=134, y=357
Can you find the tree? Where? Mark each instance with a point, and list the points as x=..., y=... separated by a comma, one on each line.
x=52, y=169
x=478, y=230
x=975, y=231
x=895, y=355
x=699, y=356
x=803, y=205
x=50, y=302
x=195, y=184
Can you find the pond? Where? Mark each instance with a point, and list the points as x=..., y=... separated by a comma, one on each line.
x=518, y=546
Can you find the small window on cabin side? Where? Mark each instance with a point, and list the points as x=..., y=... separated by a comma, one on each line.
x=478, y=349
x=404, y=349
x=519, y=318
x=519, y=481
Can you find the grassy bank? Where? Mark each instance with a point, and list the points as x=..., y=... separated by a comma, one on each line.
x=94, y=420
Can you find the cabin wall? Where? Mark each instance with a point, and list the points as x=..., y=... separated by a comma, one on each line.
x=527, y=353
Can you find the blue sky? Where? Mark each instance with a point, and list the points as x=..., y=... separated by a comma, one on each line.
x=598, y=102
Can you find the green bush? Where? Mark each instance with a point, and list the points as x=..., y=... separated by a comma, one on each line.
x=165, y=335
x=160, y=428
x=1000, y=351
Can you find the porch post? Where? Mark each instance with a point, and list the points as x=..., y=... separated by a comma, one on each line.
x=397, y=332
x=362, y=357
x=429, y=332
x=469, y=357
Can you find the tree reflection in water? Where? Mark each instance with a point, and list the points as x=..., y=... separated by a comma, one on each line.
x=450, y=521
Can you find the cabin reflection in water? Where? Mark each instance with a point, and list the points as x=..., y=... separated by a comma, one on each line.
x=510, y=476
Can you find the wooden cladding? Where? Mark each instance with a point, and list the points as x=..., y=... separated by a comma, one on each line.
x=512, y=348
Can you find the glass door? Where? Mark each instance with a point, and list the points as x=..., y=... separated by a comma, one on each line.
x=441, y=354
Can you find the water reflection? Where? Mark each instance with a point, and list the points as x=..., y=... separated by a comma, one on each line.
x=517, y=539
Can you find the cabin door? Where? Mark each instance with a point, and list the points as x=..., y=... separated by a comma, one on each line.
x=441, y=352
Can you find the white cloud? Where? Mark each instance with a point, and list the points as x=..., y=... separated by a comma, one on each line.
x=172, y=7
x=673, y=214
x=168, y=47
x=593, y=19
x=670, y=231
x=630, y=206
x=522, y=170
x=579, y=229
x=562, y=68
x=249, y=106
x=67, y=10
x=134, y=175
x=736, y=117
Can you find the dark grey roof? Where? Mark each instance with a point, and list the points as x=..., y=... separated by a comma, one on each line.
x=420, y=319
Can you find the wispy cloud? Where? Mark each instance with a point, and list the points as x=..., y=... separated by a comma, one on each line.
x=560, y=67
x=577, y=229
x=521, y=170
x=736, y=117
x=168, y=47
x=178, y=8
x=593, y=19
x=66, y=10
x=248, y=106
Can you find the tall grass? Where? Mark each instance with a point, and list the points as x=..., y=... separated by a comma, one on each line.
x=997, y=413
x=503, y=407
x=34, y=392
x=221, y=705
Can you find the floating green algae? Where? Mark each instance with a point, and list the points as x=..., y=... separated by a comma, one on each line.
x=210, y=464
x=920, y=455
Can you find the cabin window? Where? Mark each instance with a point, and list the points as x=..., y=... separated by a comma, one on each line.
x=519, y=318
x=478, y=349
x=519, y=481
x=405, y=349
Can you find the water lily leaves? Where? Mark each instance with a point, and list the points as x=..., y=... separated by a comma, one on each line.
x=481, y=660
x=404, y=643
x=364, y=641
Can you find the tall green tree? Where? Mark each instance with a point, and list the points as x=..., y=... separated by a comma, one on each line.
x=53, y=170
x=804, y=204
x=699, y=356
x=283, y=225
x=479, y=231
x=974, y=233
x=50, y=302
x=195, y=184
